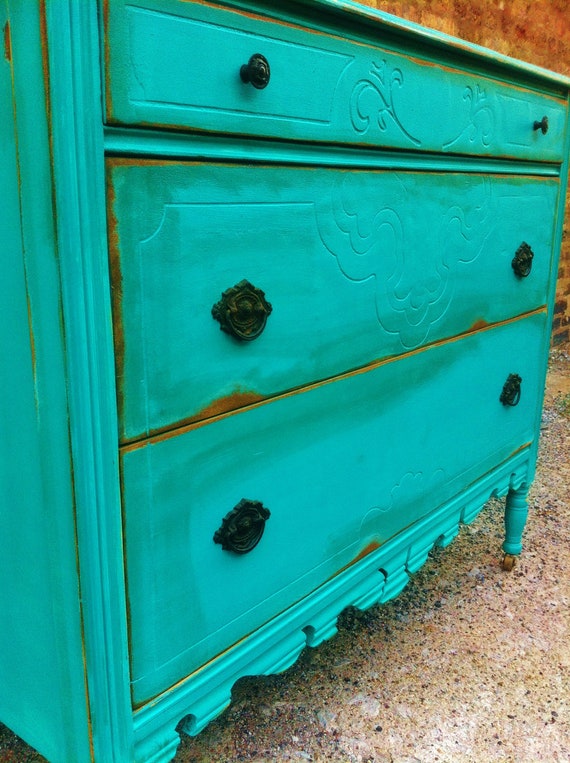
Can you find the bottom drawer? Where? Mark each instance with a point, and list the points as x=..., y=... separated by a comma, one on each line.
x=341, y=467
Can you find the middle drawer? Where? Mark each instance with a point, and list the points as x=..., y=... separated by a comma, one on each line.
x=310, y=272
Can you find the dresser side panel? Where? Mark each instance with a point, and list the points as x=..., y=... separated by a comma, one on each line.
x=79, y=198
x=42, y=680
x=560, y=229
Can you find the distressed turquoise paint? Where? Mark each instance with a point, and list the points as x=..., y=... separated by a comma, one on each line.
x=64, y=653
x=145, y=142
x=42, y=681
x=79, y=194
x=516, y=513
x=558, y=235
x=289, y=454
x=382, y=263
x=401, y=34
x=161, y=71
x=277, y=645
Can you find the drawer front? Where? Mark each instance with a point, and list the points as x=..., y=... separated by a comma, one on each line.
x=340, y=468
x=355, y=266
x=177, y=64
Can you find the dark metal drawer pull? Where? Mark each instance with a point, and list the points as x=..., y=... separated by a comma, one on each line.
x=242, y=527
x=511, y=393
x=256, y=72
x=542, y=125
x=522, y=261
x=242, y=311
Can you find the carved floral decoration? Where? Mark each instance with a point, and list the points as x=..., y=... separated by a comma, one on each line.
x=414, y=276
x=372, y=101
x=479, y=121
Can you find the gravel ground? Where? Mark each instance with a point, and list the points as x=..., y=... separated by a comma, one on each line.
x=470, y=664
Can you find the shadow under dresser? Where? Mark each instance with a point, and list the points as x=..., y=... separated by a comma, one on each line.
x=280, y=285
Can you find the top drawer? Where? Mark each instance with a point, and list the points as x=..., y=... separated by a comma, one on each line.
x=176, y=63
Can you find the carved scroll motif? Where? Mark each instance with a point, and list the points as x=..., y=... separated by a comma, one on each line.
x=410, y=492
x=479, y=122
x=412, y=488
x=372, y=101
x=414, y=275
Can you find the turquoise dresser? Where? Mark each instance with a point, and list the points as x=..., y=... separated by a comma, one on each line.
x=279, y=282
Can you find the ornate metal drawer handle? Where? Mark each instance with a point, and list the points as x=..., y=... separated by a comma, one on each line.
x=522, y=261
x=542, y=125
x=511, y=393
x=242, y=311
x=256, y=72
x=242, y=527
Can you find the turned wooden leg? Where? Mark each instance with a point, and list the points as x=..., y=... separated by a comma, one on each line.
x=516, y=512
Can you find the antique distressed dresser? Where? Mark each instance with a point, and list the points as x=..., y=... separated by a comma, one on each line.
x=277, y=292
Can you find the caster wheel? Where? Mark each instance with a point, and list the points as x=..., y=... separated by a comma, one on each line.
x=509, y=562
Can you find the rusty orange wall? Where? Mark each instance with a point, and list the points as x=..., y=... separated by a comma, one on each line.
x=537, y=32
